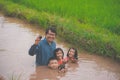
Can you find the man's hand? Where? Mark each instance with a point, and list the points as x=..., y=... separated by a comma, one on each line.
x=37, y=40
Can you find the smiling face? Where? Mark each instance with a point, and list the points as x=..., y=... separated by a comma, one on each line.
x=71, y=53
x=50, y=36
x=53, y=64
x=59, y=55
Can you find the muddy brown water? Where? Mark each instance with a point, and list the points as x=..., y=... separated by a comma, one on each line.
x=17, y=36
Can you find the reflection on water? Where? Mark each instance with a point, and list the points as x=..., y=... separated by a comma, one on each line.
x=44, y=73
x=16, y=37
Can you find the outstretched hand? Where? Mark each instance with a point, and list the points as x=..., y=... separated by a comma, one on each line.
x=37, y=40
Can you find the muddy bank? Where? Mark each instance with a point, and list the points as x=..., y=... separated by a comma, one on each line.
x=17, y=36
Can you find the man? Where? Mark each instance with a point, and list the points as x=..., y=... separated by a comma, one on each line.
x=44, y=50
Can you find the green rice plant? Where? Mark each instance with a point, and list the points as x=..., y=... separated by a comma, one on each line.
x=103, y=13
x=16, y=77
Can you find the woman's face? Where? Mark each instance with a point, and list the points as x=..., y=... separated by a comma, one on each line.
x=71, y=53
x=59, y=54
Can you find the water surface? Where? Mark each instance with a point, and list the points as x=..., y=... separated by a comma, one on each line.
x=17, y=36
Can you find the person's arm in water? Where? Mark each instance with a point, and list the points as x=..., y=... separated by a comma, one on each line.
x=33, y=47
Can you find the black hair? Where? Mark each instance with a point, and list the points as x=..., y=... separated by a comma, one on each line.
x=76, y=53
x=40, y=37
x=56, y=50
x=51, y=58
x=52, y=29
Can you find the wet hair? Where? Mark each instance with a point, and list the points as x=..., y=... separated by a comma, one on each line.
x=56, y=50
x=52, y=29
x=51, y=58
x=40, y=37
x=76, y=53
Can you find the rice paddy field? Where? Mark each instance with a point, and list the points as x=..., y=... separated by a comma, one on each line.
x=93, y=25
x=103, y=13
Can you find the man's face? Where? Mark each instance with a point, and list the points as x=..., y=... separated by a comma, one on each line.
x=53, y=64
x=50, y=36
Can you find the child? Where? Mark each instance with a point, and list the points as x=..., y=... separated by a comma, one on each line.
x=53, y=63
x=72, y=55
x=59, y=54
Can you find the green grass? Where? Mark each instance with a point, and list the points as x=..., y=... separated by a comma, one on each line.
x=82, y=33
x=102, y=13
x=16, y=76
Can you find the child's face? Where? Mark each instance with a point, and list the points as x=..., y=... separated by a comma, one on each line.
x=59, y=54
x=71, y=53
x=53, y=64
